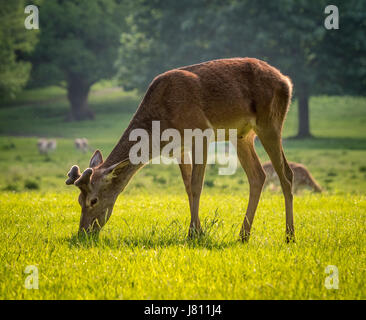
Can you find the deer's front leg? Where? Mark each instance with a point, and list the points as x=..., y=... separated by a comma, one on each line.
x=198, y=174
x=186, y=171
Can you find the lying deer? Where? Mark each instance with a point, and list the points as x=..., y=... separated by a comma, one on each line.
x=302, y=176
x=241, y=93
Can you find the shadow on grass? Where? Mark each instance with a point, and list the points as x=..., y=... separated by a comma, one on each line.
x=147, y=242
x=327, y=143
x=322, y=143
x=154, y=241
x=151, y=240
x=174, y=234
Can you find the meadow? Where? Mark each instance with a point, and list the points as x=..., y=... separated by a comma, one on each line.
x=143, y=252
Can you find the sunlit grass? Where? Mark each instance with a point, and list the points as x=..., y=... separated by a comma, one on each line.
x=143, y=252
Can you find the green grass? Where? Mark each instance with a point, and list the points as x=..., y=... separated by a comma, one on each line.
x=49, y=94
x=143, y=252
x=338, y=170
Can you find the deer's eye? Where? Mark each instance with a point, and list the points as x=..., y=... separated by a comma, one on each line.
x=94, y=201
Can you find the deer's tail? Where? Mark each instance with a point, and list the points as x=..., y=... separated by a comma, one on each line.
x=281, y=99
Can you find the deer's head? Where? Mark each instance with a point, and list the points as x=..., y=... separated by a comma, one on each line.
x=99, y=188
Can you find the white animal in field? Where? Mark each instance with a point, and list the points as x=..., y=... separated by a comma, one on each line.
x=45, y=146
x=82, y=144
x=42, y=146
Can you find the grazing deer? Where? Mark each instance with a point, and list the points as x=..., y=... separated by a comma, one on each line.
x=240, y=93
x=302, y=176
x=82, y=144
x=45, y=146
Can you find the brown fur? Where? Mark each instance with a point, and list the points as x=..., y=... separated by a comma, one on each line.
x=239, y=93
x=302, y=176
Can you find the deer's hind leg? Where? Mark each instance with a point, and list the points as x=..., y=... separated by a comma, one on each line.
x=271, y=141
x=256, y=177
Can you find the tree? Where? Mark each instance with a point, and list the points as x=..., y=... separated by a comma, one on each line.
x=347, y=48
x=78, y=46
x=15, y=41
x=161, y=35
x=288, y=34
x=284, y=33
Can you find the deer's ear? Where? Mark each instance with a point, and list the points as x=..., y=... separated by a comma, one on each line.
x=114, y=169
x=96, y=159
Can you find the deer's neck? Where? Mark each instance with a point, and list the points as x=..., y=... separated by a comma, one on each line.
x=121, y=151
x=125, y=176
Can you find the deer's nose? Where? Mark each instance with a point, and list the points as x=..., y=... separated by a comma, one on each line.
x=89, y=225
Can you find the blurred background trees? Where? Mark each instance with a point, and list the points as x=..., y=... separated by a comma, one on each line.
x=77, y=47
x=82, y=42
x=288, y=34
x=15, y=42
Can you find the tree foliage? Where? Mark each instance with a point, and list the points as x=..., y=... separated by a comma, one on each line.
x=78, y=46
x=288, y=34
x=15, y=42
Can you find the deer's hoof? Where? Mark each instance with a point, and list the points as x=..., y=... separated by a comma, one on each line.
x=290, y=238
x=194, y=233
x=244, y=236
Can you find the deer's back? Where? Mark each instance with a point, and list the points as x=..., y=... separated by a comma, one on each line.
x=229, y=93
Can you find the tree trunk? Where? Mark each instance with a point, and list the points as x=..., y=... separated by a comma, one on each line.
x=77, y=93
x=303, y=114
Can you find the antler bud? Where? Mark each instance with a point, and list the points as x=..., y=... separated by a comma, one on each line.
x=85, y=178
x=73, y=175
